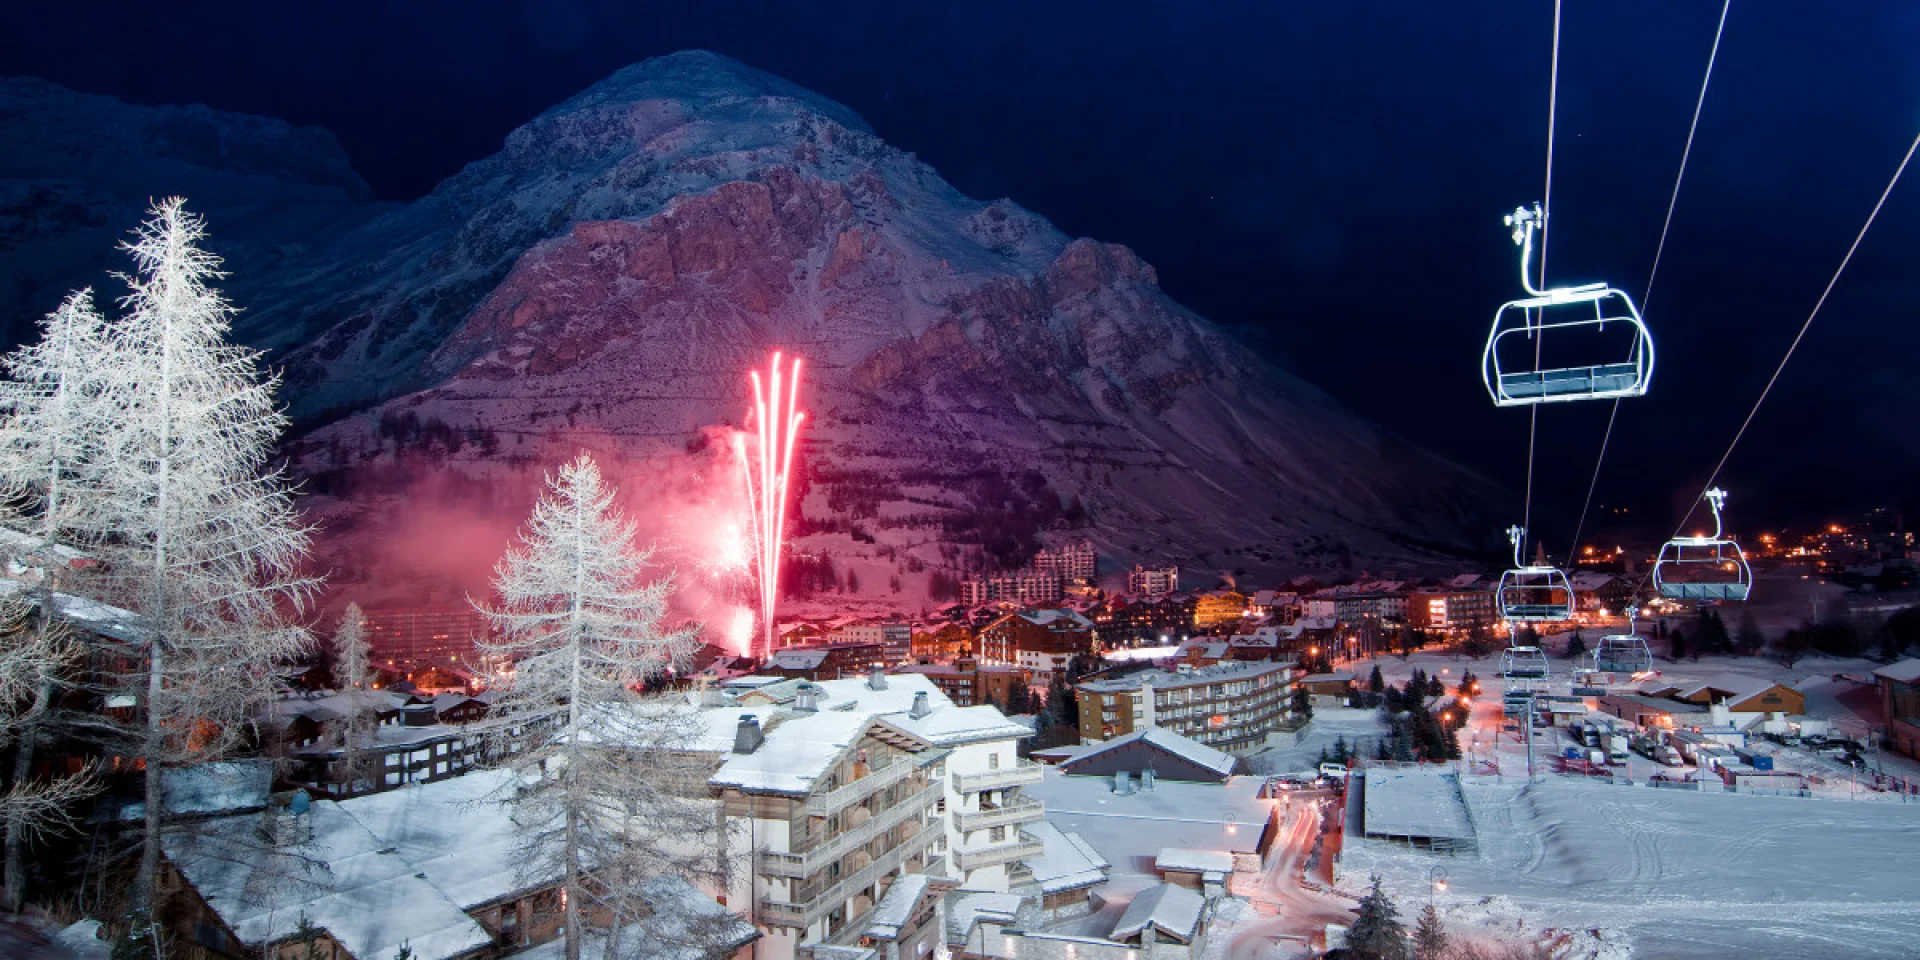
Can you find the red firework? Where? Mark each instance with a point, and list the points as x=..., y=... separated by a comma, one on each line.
x=776, y=423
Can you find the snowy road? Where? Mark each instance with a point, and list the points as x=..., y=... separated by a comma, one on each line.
x=1303, y=913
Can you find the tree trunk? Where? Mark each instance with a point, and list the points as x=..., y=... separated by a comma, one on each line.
x=16, y=890
x=145, y=883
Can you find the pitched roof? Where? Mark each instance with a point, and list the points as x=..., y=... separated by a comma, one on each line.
x=1192, y=751
x=685, y=925
x=346, y=880
x=798, y=659
x=1067, y=861
x=1194, y=861
x=1174, y=911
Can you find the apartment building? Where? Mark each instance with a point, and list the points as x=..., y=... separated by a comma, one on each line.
x=967, y=682
x=1382, y=607
x=1026, y=586
x=1144, y=622
x=894, y=637
x=1145, y=581
x=858, y=800
x=1448, y=608
x=1230, y=706
x=1073, y=562
x=828, y=661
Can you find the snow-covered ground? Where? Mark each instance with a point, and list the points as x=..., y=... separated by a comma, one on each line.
x=1680, y=874
x=1329, y=724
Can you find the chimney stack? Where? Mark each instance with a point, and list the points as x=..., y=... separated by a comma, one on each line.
x=877, y=679
x=920, y=706
x=747, y=736
x=807, y=698
x=710, y=696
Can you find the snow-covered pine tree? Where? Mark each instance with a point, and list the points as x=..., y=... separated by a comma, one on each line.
x=1430, y=936
x=199, y=533
x=351, y=673
x=52, y=405
x=607, y=799
x=1376, y=933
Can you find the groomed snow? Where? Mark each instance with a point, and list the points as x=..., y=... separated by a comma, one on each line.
x=1681, y=874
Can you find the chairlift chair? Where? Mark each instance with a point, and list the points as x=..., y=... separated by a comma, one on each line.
x=1623, y=652
x=1514, y=367
x=1704, y=568
x=1524, y=663
x=1533, y=593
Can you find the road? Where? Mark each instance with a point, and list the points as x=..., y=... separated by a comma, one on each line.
x=1303, y=913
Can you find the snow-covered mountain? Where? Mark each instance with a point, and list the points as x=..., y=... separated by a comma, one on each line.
x=607, y=278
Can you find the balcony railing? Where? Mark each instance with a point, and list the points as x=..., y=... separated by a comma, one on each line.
x=810, y=905
x=800, y=866
x=1019, y=811
x=823, y=804
x=1025, y=846
x=1020, y=774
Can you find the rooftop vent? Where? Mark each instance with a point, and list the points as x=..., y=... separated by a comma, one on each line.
x=747, y=736
x=920, y=705
x=877, y=679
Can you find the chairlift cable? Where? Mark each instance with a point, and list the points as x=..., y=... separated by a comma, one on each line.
x=1646, y=294
x=1862, y=235
x=1546, y=208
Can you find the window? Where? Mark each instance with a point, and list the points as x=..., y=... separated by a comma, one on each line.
x=993, y=761
x=940, y=805
x=997, y=834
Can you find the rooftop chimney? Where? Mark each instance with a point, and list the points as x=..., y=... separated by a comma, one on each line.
x=747, y=736
x=710, y=696
x=920, y=706
x=807, y=698
x=288, y=819
x=877, y=679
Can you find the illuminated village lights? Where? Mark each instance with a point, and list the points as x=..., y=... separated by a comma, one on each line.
x=768, y=468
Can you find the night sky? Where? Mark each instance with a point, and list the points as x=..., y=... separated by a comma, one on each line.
x=1326, y=178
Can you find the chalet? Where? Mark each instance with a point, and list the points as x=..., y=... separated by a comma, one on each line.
x=1327, y=689
x=434, y=868
x=967, y=681
x=1900, y=703
x=1169, y=755
x=1739, y=694
x=1042, y=641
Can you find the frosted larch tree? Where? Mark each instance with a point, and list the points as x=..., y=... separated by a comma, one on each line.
x=52, y=405
x=607, y=800
x=351, y=671
x=198, y=532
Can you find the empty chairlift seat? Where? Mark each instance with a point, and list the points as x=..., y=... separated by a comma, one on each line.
x=1623, y=652
x=1534, y=593
x=1523, y=663
x=1704, y=567
x=1534, y=350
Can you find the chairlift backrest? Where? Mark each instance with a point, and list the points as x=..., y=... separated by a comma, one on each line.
x=1705, y=567
x=1514, y=366
x=1533, y=593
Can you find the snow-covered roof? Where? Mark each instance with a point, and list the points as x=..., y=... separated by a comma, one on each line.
x=685, y=925
x=798, y=659
x=1327, y=678
x=1194, y=861
x=1067, y=863
x=1901, y=671
x=1191, y=751
x=224, y=787
x=1589, y=580
x=1208, y=648
x=801, y=746
x=455, y=832
x=1414, y=802
x=1046, y=617
x=334, y=705
x=1734, y=686
x=969, y=908
x=1465, y=581
x=1316, y=623
x=896, y=906
x=346, y=880
x=1172, y=910
x=748, y=683
x=88, y=614
x=1169, y=679
x=22, y=545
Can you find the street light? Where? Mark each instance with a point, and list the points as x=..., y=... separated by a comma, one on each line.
x=1436, y=882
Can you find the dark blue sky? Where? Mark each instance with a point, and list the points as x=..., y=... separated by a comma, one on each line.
x=1326, y=177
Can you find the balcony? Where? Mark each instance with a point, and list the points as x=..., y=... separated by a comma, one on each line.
x=1019, y=849
x=800, y=866
x=1021, y=774
x=822, y=804
x=811, y=902
x=1007, y=815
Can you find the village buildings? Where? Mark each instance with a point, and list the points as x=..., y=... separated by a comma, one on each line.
x=1232, y=707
